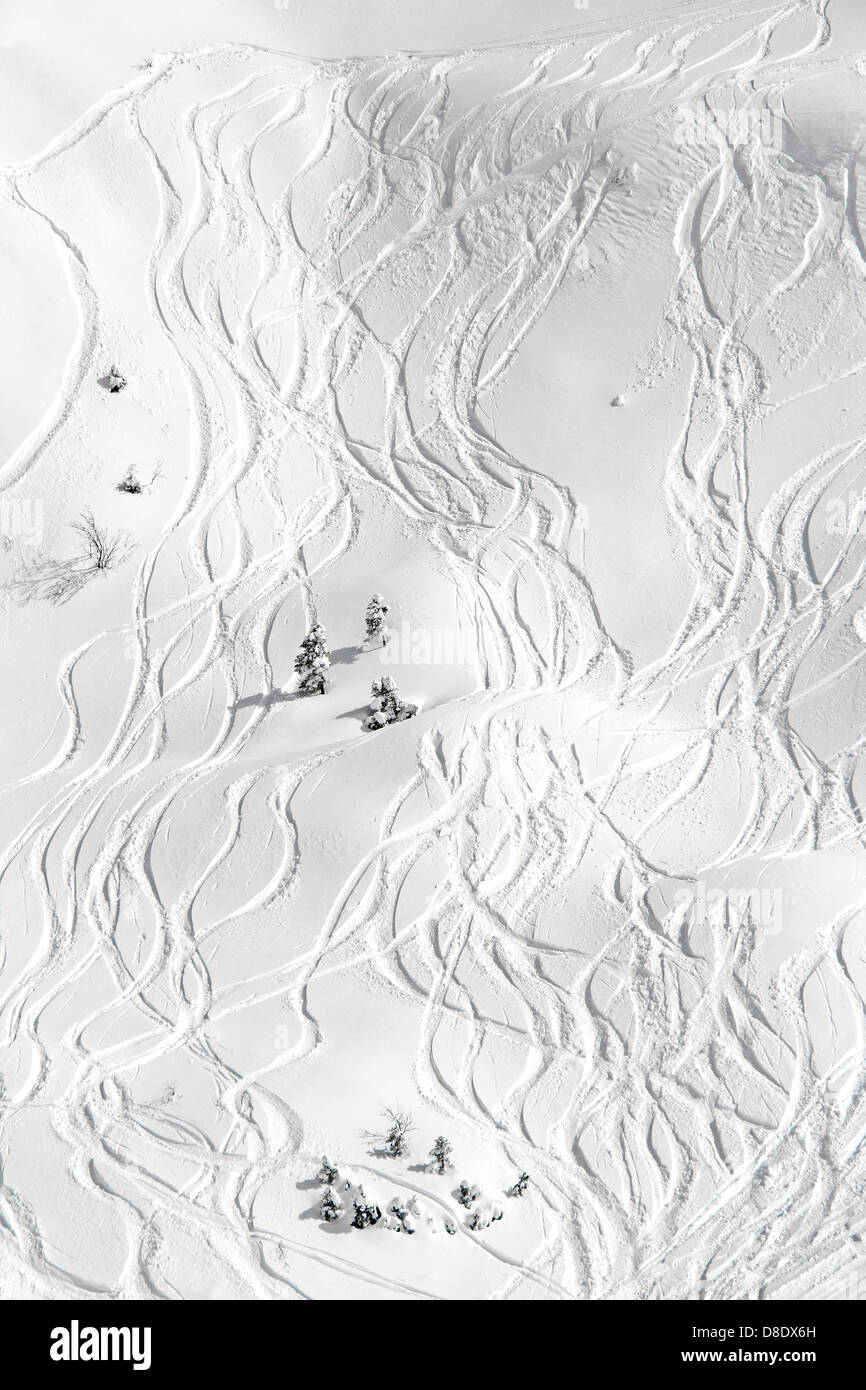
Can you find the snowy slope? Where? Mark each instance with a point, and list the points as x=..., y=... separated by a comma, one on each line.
x=557, y=342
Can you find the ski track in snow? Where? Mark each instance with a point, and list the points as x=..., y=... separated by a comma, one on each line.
x=696, y=1142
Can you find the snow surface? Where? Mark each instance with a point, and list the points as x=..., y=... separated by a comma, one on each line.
x=557, y=342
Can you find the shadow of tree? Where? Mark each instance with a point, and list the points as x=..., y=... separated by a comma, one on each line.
x=343, y=655
x=276, y=697
x=360, y=712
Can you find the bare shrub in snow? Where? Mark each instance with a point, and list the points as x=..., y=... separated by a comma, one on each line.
x=395, y=1139
x=521, y=1185
x=57, y=581
x=104, y=548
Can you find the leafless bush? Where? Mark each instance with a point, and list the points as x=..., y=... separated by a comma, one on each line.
x=57, y=581
x=395, y=1140
x=104, y=549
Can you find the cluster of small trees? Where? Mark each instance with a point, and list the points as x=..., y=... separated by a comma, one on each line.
x=401, y=1216
x=58, y=581
x=404, y=1214
x=366, y=1213
x=313, y=663
x=483, y=1216
x=470, y=1196
x=393, y=1141
x=467, y=1194
x=484, y=1213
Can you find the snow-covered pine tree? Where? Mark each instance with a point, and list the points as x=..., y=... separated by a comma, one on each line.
x=330, y=1207
x=366, y=1214
x=521, y=1185
x=386, y=705
x=467, y=1193
x=116, y=382
x=440, y=1154
x=327, y=1174
x=312, y=662
x=384, y=697
x=374, y=619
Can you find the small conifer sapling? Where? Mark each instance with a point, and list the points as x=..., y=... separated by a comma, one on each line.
x=330, y=1207
x=327, y=1174
x=312, y=662
x=374, y=620
x=440, y=1155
